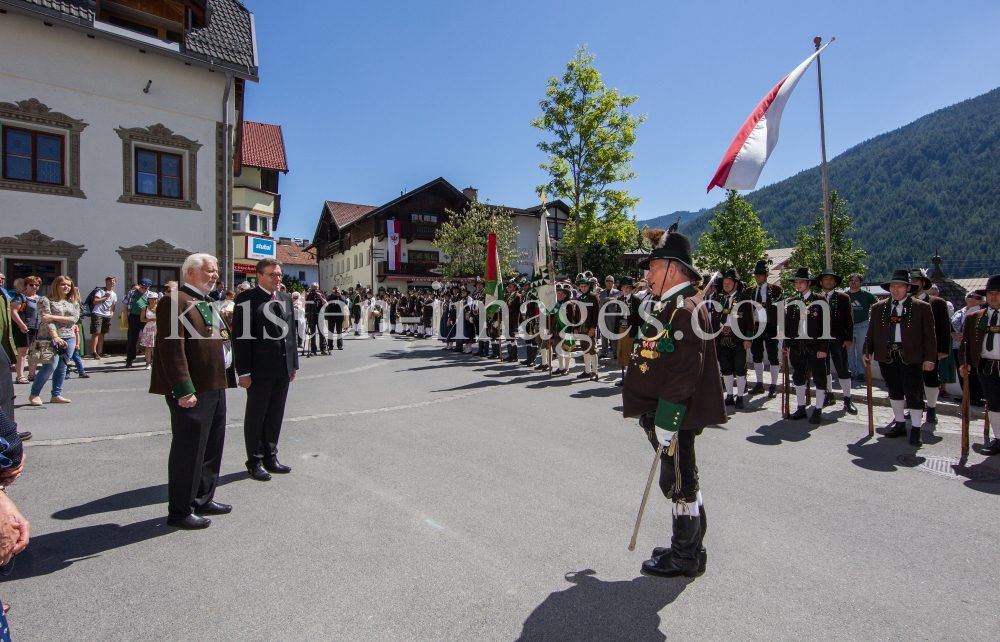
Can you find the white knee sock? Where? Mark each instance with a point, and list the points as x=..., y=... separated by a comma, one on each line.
x=932, y=395
x=800, y=395
x=995, y=423
x=916, y=418
x=775, y=372
x=741, y=386
x=727, y=383
x=820, y=397
x=545, y=357
x=759, y=369
x=845, y=385
x=897, y=409
x=829, y=381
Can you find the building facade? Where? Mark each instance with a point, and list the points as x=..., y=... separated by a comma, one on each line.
x=256, y=200
x=353, y=245
x=116, y=126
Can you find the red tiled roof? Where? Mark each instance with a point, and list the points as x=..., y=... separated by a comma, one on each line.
x=302, y=257
x=347, y=213
x=263, y=146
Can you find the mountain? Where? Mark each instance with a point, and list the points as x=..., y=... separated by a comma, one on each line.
x=666, y=220
x=934, y=183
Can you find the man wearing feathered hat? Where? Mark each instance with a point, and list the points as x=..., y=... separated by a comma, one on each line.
x=842, y=331
x=673, y=385
x=732, y=322
x=942, y=334
x=590, y=308
x=767, y=296
x=901, y=339
x=806, y=348
x=628, y=304
x=980, y=349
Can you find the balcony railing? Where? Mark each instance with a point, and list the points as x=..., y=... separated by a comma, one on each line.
x=408, y=269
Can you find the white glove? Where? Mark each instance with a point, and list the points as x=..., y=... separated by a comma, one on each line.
x=664, y=436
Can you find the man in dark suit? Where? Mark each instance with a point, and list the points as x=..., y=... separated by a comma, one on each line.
x=266, y=361
x=942, y=336
x=336, y=310
x=805, y=346
x=766, y=296
x=981, y=349
x=219, y=293
x=842, y=330
x=192, y=369
x=734, y=325
x=316, y=330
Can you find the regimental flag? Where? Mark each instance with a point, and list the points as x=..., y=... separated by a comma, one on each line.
x=494, y=282
x=749, y=151
x=543, y=282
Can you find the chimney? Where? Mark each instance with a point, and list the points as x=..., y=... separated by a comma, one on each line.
x=284, y=240
x=471, y=193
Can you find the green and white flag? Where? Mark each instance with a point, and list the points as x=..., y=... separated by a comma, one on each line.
x=494, y=281
x=543, y=282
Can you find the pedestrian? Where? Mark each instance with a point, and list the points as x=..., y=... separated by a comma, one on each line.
x=842, y=331
x=563, y=321
x=673, y=385
x=134, y=305
x=861, y=303
x=336, y=312
x=24, y=314
x=973, y=302
x=101, y=312
x=806, y=348
x=732, y=322
x=3, y=289
x=226, y=306
x=608, y=316
x=589, y=306
x=901, y=339
x=513, y=301
x=315, y=313
x=767, y=297
x=946, y=366
x=942, y=334
x=58, y=314
x=147, y=338
x=981, y=350
x=299, y=314
x=219, y=293
x=193, y=368
x=266, y=361
x=168, y=288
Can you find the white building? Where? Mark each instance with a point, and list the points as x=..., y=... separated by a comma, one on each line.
x=116, y=124
x=353, y=245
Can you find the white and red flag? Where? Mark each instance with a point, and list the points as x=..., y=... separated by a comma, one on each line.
x=395, y=247
x=749, y=151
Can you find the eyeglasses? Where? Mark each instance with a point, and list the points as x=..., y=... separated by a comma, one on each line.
x=974, y=296
x=31, y=285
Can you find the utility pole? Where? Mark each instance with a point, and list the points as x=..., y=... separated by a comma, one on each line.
x=822, y=141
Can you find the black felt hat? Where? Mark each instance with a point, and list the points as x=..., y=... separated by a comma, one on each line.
x=900, y=276
x=921, y=275
x=802, y=274
x=627, y=280
x=762, y=267
x=668, y=245
x=734, y=274
x=992, y=285
x=829, y=273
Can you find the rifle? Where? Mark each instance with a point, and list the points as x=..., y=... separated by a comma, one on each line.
x=965, y=415
x=986, y=425
x=871, y=417
x=785, y=402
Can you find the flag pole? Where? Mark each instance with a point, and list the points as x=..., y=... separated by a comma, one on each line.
x=822, y=142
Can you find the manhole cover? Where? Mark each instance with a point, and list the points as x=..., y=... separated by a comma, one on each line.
x=948, y=468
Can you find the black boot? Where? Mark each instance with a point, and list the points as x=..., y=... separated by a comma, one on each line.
x=898, y=429
x=772, y=391
x=799, y=414
x=915, y=436
x=529, y=359
x=849, y=406
x=738, y=403
x=931, y=416
x=756, y=390
x=829, y=401
x=729, y=400
x=511, y=353
x=702, y=553
x=682, y=557
x=817, y=416
x=494, y=350
x=992, y=449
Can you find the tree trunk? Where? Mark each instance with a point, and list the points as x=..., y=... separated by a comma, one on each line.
x=579, y=260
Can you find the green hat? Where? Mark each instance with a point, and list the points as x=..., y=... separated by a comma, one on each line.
x=668, y=245
x=802, y=274
x=820, y=276
x=921, y=275
x=762, y=267
x=734, y=274
x=584, y=278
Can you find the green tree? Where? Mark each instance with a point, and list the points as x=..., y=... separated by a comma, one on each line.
x=735, y=238
x=292, y=283
x=592, y=151
x=602, y=255
x=463, y=240
x=810, y=244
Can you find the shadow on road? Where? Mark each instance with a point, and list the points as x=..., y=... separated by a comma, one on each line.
x=56, y=551
x=598, y=611
x=781, y=431
x=604, y=392
x=130, y=499
x=880, y=455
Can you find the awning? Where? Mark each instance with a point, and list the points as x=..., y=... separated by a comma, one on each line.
x=244, y=268
x=424, y=279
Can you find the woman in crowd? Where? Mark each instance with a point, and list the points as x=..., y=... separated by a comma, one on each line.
x=58, y=314
x=299, y=314
x=81, y=343
x=24, y=312
x=227, y=305
x=148, y=316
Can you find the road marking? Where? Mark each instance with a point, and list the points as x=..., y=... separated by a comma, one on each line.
x=433, y=524
x=294, y=439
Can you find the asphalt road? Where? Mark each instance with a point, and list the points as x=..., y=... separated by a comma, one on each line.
x=438, y=497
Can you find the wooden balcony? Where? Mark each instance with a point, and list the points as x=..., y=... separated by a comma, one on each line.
x=415, y=270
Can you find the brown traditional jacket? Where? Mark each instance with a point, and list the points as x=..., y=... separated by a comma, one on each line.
x=842, y=316
x=919, y=344
x=187, y=362
x=590, y=309
x=745, y=315
x=974, y=338
x=677, y=377
x=942, y=324
x=814, y=324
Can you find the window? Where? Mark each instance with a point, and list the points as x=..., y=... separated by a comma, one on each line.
x=253, y=223
x=265, y=223
x=236, y=221
x=32, y=156
x=556, y=229
x=302, y=276
x=423, y=218
x=269, y=180
x=421, y=256
x=157, y=173
x=159, y=275
x=47, y=271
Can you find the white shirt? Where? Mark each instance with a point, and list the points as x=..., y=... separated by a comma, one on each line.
x=227, y=346
x=804, y=318
x=103, y=309
x=730, y=300
x=992, y=318
x=761, y=295
x=897, y=311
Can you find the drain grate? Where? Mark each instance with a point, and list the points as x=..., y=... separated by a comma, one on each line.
x=948, y=467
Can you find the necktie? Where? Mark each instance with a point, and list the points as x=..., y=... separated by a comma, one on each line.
x=989, y=337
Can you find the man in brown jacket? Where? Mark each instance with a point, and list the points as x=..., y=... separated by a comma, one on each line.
x=192, y=368
x=981, y=349
x=806, y=348
x=766, y=297
x=942, y=338
x=901, y=338
x=590, y=310
x=673, y=385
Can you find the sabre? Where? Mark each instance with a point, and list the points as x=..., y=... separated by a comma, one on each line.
x=965, y=414
x=986, y=425
x=645, y=495
x=871, y=418
x=786, y=402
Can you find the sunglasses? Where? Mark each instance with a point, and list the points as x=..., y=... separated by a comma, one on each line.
x=974, y=296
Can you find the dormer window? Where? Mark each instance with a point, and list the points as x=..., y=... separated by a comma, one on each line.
x=164, y=20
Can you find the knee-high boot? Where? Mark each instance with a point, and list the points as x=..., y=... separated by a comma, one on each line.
x=683, y=556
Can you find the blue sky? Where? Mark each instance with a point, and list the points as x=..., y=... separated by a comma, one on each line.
x=375, y=97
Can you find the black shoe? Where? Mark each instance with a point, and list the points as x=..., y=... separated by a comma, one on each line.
x=583, y=375
x=849, y=406
x=729, y=400
x=772, y=391
x=214, y=508
x=541, y=366
x=25, y=436
x=702, y=553
x=738, y=403
x=829, y=400
x=189, y=522
x=817, y=416
x=931, y=416
x=274, y=466
x=977, y=403
x=898, y=430
x=620, y=383
x=682, y=558
x=257, y=472
x=756, y=390
x=992, y=449
x=128, y=364
x=799, y=414
x=602, y=355
x=915, y=436
x=84, y=375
